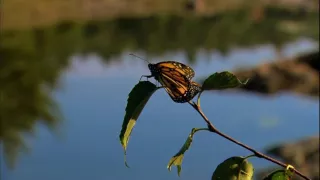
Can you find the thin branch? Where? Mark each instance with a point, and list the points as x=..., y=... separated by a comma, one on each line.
x=256, y=153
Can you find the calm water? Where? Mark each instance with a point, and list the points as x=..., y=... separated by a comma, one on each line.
x=93, y=97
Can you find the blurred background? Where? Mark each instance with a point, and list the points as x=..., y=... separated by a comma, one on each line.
x=65, y=74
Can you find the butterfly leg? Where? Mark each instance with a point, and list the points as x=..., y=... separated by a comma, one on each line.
x=149, y=76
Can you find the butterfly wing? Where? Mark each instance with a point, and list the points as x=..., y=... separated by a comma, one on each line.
x=183, y=69
x=175, y=90
x=179, y=91
x=176, y=78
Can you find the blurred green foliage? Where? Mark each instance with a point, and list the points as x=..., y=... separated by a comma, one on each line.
x=26, y=81
x=157, y=35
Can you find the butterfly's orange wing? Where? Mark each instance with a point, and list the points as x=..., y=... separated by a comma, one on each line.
x=176, y=78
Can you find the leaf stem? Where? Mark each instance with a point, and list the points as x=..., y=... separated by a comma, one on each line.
x=213, y=129
x=252, y=155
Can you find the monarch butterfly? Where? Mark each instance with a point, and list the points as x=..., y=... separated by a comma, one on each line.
x=176, y=79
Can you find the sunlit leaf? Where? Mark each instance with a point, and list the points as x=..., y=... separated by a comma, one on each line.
x=176, y=160
x=277, y=175
x=138, y=98
x=281, y=174
x=222, y=80
x=234, y=168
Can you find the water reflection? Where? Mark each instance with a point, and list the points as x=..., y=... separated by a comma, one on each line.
x=26, y=81
x=93, y=106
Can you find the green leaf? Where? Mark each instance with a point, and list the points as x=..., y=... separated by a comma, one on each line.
x=234, y=168
x=281, y=174
x=138, y=98
x=222, y=80
x=277, y=175
x=176, y=160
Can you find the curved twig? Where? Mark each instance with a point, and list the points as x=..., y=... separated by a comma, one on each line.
x=256, y=153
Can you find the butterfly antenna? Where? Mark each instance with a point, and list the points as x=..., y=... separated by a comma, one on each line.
x=139, y=57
